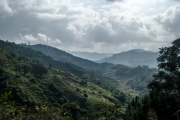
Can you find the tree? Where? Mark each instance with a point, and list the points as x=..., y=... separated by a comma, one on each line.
x=50, y=65
x=25, y=68
x=165, y=88
x=39, y=70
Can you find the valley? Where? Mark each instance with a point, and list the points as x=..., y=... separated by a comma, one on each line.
x=34, y=77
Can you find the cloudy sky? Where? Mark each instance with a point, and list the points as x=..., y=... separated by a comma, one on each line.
x=106, y=26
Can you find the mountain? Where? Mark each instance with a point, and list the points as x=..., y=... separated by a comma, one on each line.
x=121, y=75
x=131, y=80
x=91, y=56
x=65, y=57
x=36, y=79
x=134, y=58
x=107, y=75
x=34, y=91
x=40, y=58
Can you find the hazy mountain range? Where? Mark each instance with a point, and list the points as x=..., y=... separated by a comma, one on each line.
x=93, y=56
x=65, y=57
x=117, y=76
x=133, y=58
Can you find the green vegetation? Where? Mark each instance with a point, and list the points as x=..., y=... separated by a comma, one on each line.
x=39, y=91
x=137, y=78
x=34, y=86
x=162, y=102
x=40, y=58
x=106, y=75
x=130, y=79
x=65, y=57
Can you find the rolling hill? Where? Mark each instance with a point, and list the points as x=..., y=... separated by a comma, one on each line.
x=107, y=75
x=128, y=78
x=35, y=91
x=65, y=57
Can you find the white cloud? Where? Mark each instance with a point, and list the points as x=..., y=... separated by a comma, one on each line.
x=50, y=17
x=4, y=7
x=29, y=38
x=96, y=26
x=170, y=20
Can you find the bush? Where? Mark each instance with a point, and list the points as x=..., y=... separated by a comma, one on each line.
x=85, y=95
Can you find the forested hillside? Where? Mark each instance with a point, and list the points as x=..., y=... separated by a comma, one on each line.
x=126, y=78
x=130, y=79
x=134, y=78
x=163, y=100
x=63, y=56
x=28, y=88
x=39, y=57
x=119, y=77
x=31, y=90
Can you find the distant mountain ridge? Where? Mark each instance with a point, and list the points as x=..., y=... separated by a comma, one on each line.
x=65, y=57
x=93, y=56
x=133, y=58
x=105, y=74
x=119, y=72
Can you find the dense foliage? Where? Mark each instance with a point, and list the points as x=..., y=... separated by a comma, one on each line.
x=40, y=58
x=35, y=80
x=105, y=75
x=30, y=90
x=163, y=100
x=63, y=56
x=138, y=77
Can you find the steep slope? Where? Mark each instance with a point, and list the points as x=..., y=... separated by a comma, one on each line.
x=135, y=78
x=33, y=85
x=133, y=58
x=39, y=57
x=106, y=75
x=63, y=56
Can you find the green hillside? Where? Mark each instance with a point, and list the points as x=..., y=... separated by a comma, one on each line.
x=34, y=84
x=129, y=78
x=107, y=75
x=163, y=99
x=63, y=56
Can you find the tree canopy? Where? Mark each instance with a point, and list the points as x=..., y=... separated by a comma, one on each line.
x=163, y=100
x=165, y=88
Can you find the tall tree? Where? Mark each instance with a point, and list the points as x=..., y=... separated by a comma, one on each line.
x=165, y=88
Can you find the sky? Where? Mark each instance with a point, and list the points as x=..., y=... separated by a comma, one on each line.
x=104, y=26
